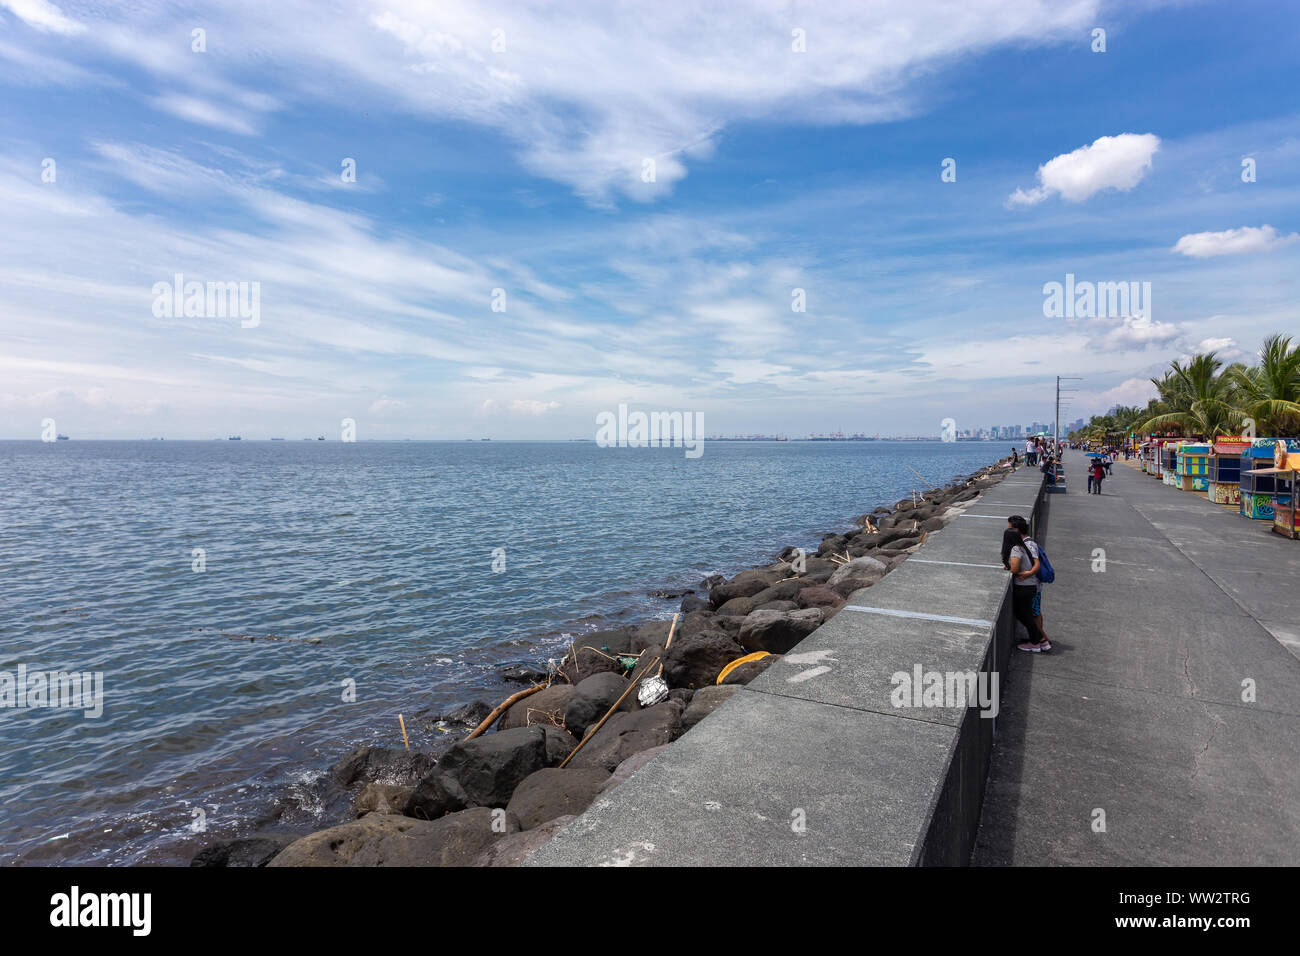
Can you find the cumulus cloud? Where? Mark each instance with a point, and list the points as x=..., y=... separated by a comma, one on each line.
x=1111, y=162
x=1232, y=242
x=1133, y=332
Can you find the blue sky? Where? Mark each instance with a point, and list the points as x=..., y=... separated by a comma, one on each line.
x=520, y=168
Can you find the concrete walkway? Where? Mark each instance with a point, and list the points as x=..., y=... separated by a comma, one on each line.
x=1139, y=711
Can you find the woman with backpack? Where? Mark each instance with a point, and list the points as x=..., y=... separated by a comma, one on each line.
x=1024, y=565
x=1042, y=575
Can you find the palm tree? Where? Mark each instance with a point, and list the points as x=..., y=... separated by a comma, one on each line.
x=1270, y=391
x=1199, y=399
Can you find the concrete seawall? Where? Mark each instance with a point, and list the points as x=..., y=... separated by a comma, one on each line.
x=811, y=763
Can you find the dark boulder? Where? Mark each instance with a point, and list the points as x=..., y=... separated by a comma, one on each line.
x=630, y=766
x=818, y=596
x=513, y=848
x=749, y=670
x=482, y=772
x=778, y=631
x=695, y=660
x=744, y=584
x=381, y=798
x=551, y=792
x=545, y=707
x=693, y=602
x=626, y=734
x=256, y=850
x=705, y=702
x=382, y=840
x=778, y=606
x=593, y=698
x=382, y=765
x=468, y=715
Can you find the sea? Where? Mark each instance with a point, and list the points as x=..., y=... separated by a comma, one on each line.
x=256, y=609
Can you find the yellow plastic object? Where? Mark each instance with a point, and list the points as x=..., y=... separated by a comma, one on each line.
x=757, y=656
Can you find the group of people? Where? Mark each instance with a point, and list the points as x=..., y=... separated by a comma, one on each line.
x=1035, y=450
x=1022, y=556
x=1099, y=469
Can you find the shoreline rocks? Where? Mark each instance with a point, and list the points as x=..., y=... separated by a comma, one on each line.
x=493, y=800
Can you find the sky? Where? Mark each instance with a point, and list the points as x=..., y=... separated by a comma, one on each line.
x=484, y=219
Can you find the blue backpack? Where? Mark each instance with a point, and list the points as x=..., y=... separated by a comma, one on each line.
x=1046, y=573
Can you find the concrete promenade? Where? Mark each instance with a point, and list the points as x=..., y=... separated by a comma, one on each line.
x=1138, y=712
x=812, y=763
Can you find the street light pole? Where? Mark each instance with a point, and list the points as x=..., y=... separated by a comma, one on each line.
x=1059, y=379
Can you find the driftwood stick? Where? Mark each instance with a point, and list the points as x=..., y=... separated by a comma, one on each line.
x=918, y=474
x=671, y=630
x=600, y=723
x=502, y=707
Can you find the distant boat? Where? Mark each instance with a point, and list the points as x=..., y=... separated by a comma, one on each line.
x=61, y=437
x=277, y=439
x=485, y=439
x=320, y=437
x=234, y=438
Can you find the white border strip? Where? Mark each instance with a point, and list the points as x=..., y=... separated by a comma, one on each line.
x=919, y=615
x=967, y=514
x=962, y=564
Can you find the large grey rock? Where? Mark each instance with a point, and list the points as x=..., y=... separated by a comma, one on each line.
x=551, y=792
x=381, y=798
x=383, y=840
x=513, y=848
x=744, y=584
x=626, y=734
x=581, y=663
x=778, y=631
x=863, y=567
x=819, y=596
x=593, y=698
x=630, y=766
x=382, y=765
x=482, y=772
x=695, y=660
x=705, y=702
x=545, y=707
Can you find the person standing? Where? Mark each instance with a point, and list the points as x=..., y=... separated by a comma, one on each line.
x=1017, y=559
x=1019, y=524
x=1097, y=474
x=1029, y=451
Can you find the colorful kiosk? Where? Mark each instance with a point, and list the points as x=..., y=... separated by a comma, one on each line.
x=1169, y=462
x=1192, y=466
x=1225, y=469
x=1258, y=480
x=1285, y=464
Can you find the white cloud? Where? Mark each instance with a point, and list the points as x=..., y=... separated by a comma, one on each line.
x=1111, y=162
x=1133, y=332
x=585, y=90
x=1232, y=242
x=43, y=15
x=528, y=406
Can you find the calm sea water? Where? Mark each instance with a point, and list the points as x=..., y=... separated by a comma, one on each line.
x=329, y=562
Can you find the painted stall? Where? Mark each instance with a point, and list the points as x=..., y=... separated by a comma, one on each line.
x=1192, y=466
x=1282, y=470
x=1225, y=469
x=1259, y=479
x=1169, y=462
